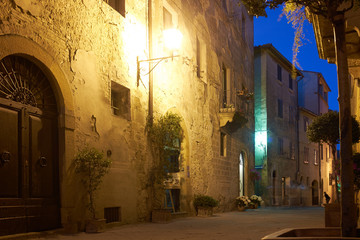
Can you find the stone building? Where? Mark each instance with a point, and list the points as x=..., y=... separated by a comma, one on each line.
x=75, y=74
x=275, y=126
x=315, y=162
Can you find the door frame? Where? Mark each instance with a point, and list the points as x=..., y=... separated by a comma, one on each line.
x=44, y=58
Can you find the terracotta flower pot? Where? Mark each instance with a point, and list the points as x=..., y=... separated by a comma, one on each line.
x=241, y=208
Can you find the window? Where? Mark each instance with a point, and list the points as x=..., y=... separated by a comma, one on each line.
x=243, y=27
x=226, y=86
x=321, y=152
x=306, y=155
x=198, y=57
x=118, y=5
x=167, y=19
x=321, y=90
x=326, y=96
x=223, y=144
x=173, y=164
x=290, y=82
x=280, y=146
x=291, y=115
x=225, y=5
x=279, y=73
x=120, y=100
x=291, y=150
x=280, y=108
x=316, y=157
x=306, y=123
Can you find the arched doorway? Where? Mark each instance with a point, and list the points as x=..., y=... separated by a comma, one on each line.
x=274, y=187
x=28, y=148
x=315, y=192
x=241, y=174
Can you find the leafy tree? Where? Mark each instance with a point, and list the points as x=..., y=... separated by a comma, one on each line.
x=92, y=167
x=325, y=128
x=334, y=12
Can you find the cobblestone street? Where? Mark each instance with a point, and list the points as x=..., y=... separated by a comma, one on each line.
x=248, y=225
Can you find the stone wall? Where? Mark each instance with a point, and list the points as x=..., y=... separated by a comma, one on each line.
x=92, y=46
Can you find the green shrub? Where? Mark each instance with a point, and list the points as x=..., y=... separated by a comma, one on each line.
x=204, y=201
x=92, y=167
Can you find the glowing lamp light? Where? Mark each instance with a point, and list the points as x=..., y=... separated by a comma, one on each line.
x=172, y=38
x=261, y=139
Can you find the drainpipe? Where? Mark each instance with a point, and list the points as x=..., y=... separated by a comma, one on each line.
x=297, y=131
x=151, y=86
x=320, y=190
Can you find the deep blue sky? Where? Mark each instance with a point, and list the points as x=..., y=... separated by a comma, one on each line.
x=281, y=35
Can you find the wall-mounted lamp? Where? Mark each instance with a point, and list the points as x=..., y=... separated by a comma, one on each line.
x=172, y=40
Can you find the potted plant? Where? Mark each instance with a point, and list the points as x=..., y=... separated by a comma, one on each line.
x=92, y=167
x=242, y=202
x=255, y=201
x=204, y=205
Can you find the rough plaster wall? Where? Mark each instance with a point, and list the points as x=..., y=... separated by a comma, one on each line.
x=84, y=38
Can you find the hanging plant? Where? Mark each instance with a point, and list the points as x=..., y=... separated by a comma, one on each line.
x=245, y=94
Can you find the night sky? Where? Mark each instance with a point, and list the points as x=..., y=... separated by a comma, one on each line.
x=281, y=35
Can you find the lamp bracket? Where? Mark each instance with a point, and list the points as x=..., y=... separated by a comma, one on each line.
x=157, y=61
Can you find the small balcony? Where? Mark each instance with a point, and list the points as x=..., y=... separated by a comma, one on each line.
x=237, y=102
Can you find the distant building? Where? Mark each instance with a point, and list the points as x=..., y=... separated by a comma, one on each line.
x=313, y=101
x=275, y=126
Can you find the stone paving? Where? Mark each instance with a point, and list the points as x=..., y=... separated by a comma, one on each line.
x=248, y=225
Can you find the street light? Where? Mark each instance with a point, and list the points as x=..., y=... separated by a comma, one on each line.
x=172, y=40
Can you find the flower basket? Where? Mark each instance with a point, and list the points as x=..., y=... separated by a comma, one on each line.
x=242, y=202
x=255, y=201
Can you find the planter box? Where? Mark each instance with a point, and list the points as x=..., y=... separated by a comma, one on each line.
x=204, y=211
x=330, y=233
x=332, y=215
x=95, y=225
x=161, y=215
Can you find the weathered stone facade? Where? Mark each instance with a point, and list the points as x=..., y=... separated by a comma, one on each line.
x=276, y=148
x=85, y=48
x=315, y=163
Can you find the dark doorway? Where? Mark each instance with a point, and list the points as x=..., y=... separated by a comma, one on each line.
x=29, y=201
x=315, y=193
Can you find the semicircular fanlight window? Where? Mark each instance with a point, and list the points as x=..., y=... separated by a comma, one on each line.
x=24, y=82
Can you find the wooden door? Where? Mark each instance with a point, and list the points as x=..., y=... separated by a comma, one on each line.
x=29, y=193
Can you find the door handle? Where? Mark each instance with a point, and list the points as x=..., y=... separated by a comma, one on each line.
x=5, y=158
x=43, y=161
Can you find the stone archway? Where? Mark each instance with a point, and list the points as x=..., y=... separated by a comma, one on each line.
x=44, y=60
x=28, y=147
x=242, y=161
x=184, y=193
x=315, y=192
